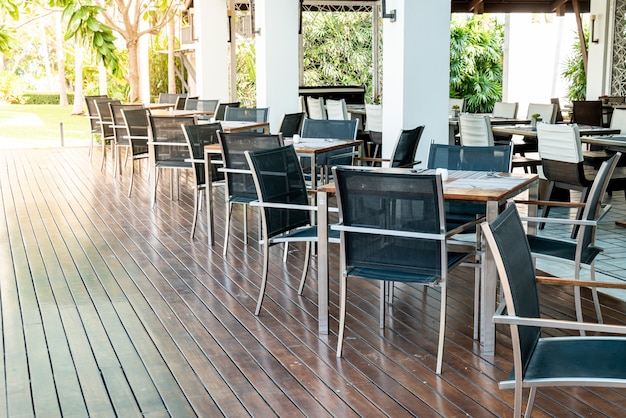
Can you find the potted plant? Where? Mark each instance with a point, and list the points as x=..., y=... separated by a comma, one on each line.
x=456, y=109
x=536, y=117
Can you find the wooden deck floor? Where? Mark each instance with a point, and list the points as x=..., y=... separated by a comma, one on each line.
x=109, y=309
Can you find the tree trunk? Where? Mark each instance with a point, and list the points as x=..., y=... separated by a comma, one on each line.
x=77, y=109
x=171, y=71
x=133, y=71
x=60, y=61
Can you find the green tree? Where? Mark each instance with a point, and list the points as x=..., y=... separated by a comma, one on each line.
x=574, y=70
x=476, y=61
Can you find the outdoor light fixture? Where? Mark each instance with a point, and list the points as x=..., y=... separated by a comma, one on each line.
x=593, y=29
x=392, y=13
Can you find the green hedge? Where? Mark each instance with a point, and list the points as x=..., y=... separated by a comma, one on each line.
x=44, y=98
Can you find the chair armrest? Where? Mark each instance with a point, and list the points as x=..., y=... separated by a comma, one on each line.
x=550, y=203
x=388, y=232
x=234, y=170
x=557, y=323
x=372, y=159
x=168, y=144
x=465, y=226
x=539, y=219
x=282, y=205
x=574, y=282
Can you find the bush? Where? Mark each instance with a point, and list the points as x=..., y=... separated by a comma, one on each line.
x=44, y=98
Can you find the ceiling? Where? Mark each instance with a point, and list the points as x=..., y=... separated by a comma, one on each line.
x=458, y=6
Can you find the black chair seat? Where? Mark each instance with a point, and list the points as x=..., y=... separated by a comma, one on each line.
x=568, y=359
x=561, y=249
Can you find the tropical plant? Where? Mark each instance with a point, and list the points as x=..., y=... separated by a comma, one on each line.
x=476, y=61
x=246, y=72
x=337, y=49
x=574, y=70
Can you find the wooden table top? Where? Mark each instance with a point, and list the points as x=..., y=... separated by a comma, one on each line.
x=477, y=186
x=495, y=120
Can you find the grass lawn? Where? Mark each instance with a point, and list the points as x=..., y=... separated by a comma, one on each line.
x=39, y=126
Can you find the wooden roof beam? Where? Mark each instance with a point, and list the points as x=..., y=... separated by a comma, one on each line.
x=476, y=6
x=558, y=6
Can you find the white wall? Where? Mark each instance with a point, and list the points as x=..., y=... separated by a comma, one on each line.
x=212, y=55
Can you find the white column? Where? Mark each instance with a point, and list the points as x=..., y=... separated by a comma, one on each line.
x=212, y=57
x=276, y=23
x=416, y=72
x=600, y=52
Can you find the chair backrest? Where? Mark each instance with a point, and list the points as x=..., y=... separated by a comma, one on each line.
x=278, y=179
x=209, y=105
x=559, y=115
x=92, y=111
x=336, y=129
x=374, y=117
x=137, y=126
x=337, y=110
x=457, y=102
x=593, y=205
x=169, y=143
x=587, y=112
x=291, y=124
x=180, y=103
x=475, y=130
x=618, y=120
x=507, y=240
x=505, y=110
x=197, y=137
x=120, y=131
x=221, y=109
x=417, y=202
x=105, y=117
x=302, y=105
x=406, y=146
x=171, y=98
x=559, y=143
x=251, y=114
x=234, y=144
x=495, y=158
x=547, y=112
x=315, y=107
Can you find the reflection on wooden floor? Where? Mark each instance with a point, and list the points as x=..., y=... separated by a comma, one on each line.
x=109, y=309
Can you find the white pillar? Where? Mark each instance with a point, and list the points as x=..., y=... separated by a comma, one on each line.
x=601, y=52
x=276, y=24
x=212, y=54
x=416, y=72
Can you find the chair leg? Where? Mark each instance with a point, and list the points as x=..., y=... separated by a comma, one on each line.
x=104, y=151
x=305, y=269
x=342, y=312
x=594, y=293
x=285, y=252
x=266, y=262
x=154, y=187
x=132, y=176
x=196, y=199
x=245, y=224
x=579, y=213
x=381, y=303
x=442, y=327
x=531, y=401
x=229, y=208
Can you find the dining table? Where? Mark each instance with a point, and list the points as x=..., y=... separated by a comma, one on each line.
x=531, y=131
x=491, y=189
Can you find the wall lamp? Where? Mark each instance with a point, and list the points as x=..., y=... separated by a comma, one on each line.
x=593, y=38
x=392, y=13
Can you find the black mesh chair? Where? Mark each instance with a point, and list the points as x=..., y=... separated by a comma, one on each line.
x=92, y=114
x=495, y=159
x=597, y=361
x=221, y=109
x=137, y=127
x=249, y=114
x=168, y=148
x=120, y=133
x=240, y=188
x=206, y=105
x=335, y=129
x=197, y=137
x=581, y=251
x=105, y=120
x=403, y=154
x=291, y=124
x=587, y=112
x=286, y=213
x=393, y=230
x=170, y=98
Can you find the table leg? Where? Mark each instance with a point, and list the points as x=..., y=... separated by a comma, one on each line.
x=322, y=262
x=208, y=192
x=489, y=284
